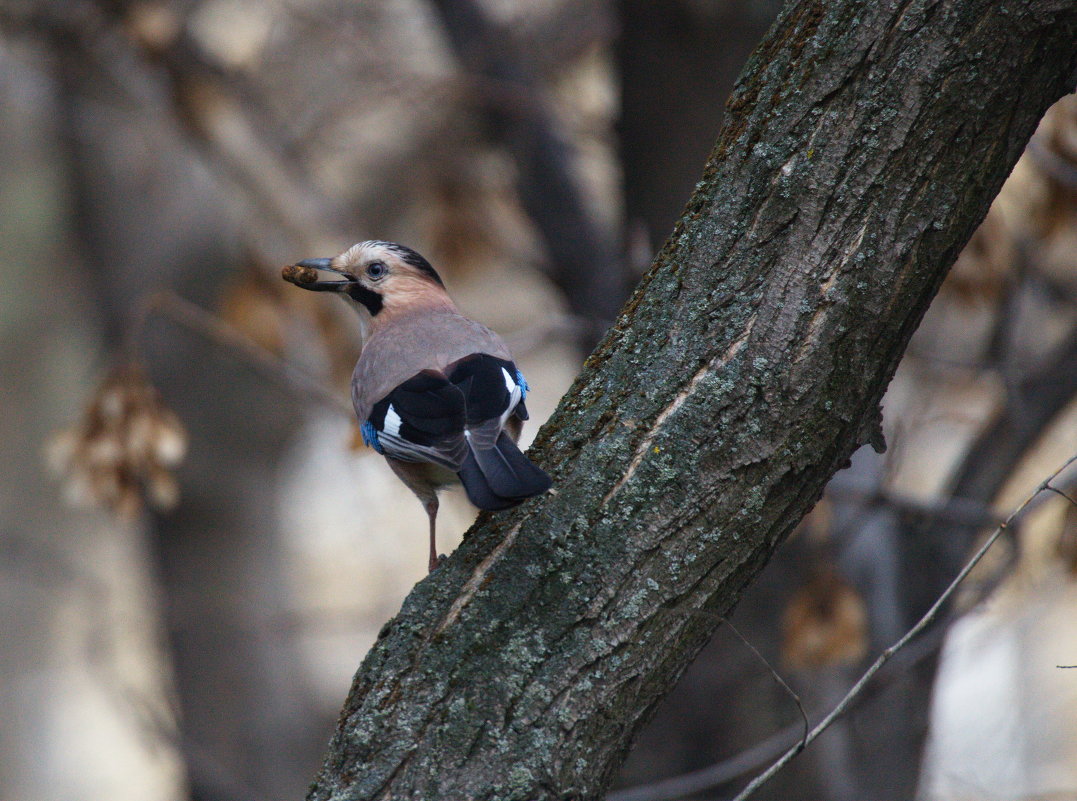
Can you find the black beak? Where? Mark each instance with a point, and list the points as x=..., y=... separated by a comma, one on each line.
x=317, y=264
x=301, y=278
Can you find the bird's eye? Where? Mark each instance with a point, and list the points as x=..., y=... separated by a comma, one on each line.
x=376, y=270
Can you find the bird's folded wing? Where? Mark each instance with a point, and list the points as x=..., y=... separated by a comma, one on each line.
x=422, y=420
x=424, y=339
x=441, y=417
x=491, y=393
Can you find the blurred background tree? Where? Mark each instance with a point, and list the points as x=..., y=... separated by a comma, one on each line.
x=537, y=153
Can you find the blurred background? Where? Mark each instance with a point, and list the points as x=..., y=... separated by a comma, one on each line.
x=194, y=553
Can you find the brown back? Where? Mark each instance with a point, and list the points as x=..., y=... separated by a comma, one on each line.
x=428, y=339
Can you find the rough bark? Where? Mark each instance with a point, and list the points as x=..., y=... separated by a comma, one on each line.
x=862, y=146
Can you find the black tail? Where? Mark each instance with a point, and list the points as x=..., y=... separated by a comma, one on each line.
x=499, y=477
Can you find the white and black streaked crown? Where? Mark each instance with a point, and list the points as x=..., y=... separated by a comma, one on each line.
x=408, y=256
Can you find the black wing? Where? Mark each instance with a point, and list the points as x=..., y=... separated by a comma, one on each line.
x=422, y=420
x=456, y=419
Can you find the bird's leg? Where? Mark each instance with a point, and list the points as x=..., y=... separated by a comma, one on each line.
x=431, y=507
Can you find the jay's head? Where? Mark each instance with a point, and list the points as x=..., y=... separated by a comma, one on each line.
x=378, y=275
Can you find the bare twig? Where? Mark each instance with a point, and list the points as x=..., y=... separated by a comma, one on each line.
x=170, y=305
x=886, y=655
x=713, y=775
x=1064, y=494
x=771, y=748
x=777, y=678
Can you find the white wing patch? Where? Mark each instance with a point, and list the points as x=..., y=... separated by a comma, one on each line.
x=515, y=394
x=510, y=382
x=392, y=422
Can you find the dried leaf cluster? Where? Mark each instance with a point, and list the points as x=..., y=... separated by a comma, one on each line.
x=824, y=624
x=120, y=455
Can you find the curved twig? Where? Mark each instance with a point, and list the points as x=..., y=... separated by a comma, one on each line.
x=193, y=317
x=921, y=624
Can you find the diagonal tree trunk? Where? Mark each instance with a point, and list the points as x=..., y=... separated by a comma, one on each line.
x=862, y=146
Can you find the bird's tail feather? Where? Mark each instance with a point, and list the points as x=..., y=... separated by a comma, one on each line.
x=501, y=476
x=478, y=489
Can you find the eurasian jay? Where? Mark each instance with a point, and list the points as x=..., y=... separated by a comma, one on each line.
x=435, y=392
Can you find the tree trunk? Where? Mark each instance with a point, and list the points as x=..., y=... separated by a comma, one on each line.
x=862, y=146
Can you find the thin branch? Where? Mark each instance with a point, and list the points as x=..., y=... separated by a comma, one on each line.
x=713, y=775
x=170, y=305
x=758, y=755
x=1065, y=495
x=886, y=655
x=777, y=678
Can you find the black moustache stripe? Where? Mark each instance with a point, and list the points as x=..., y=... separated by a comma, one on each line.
x=368, y=297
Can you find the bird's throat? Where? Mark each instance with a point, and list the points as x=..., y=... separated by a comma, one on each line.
x=370, y=299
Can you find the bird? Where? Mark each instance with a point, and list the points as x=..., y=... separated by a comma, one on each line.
x=436, y=393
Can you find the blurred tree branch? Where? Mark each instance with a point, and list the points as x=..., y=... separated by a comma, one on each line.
x=1033, y=402
x=863, y=145
x=268, y=364
x=585, y=264
x=223, y=116
x=219, y=112
x=1037, y=399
